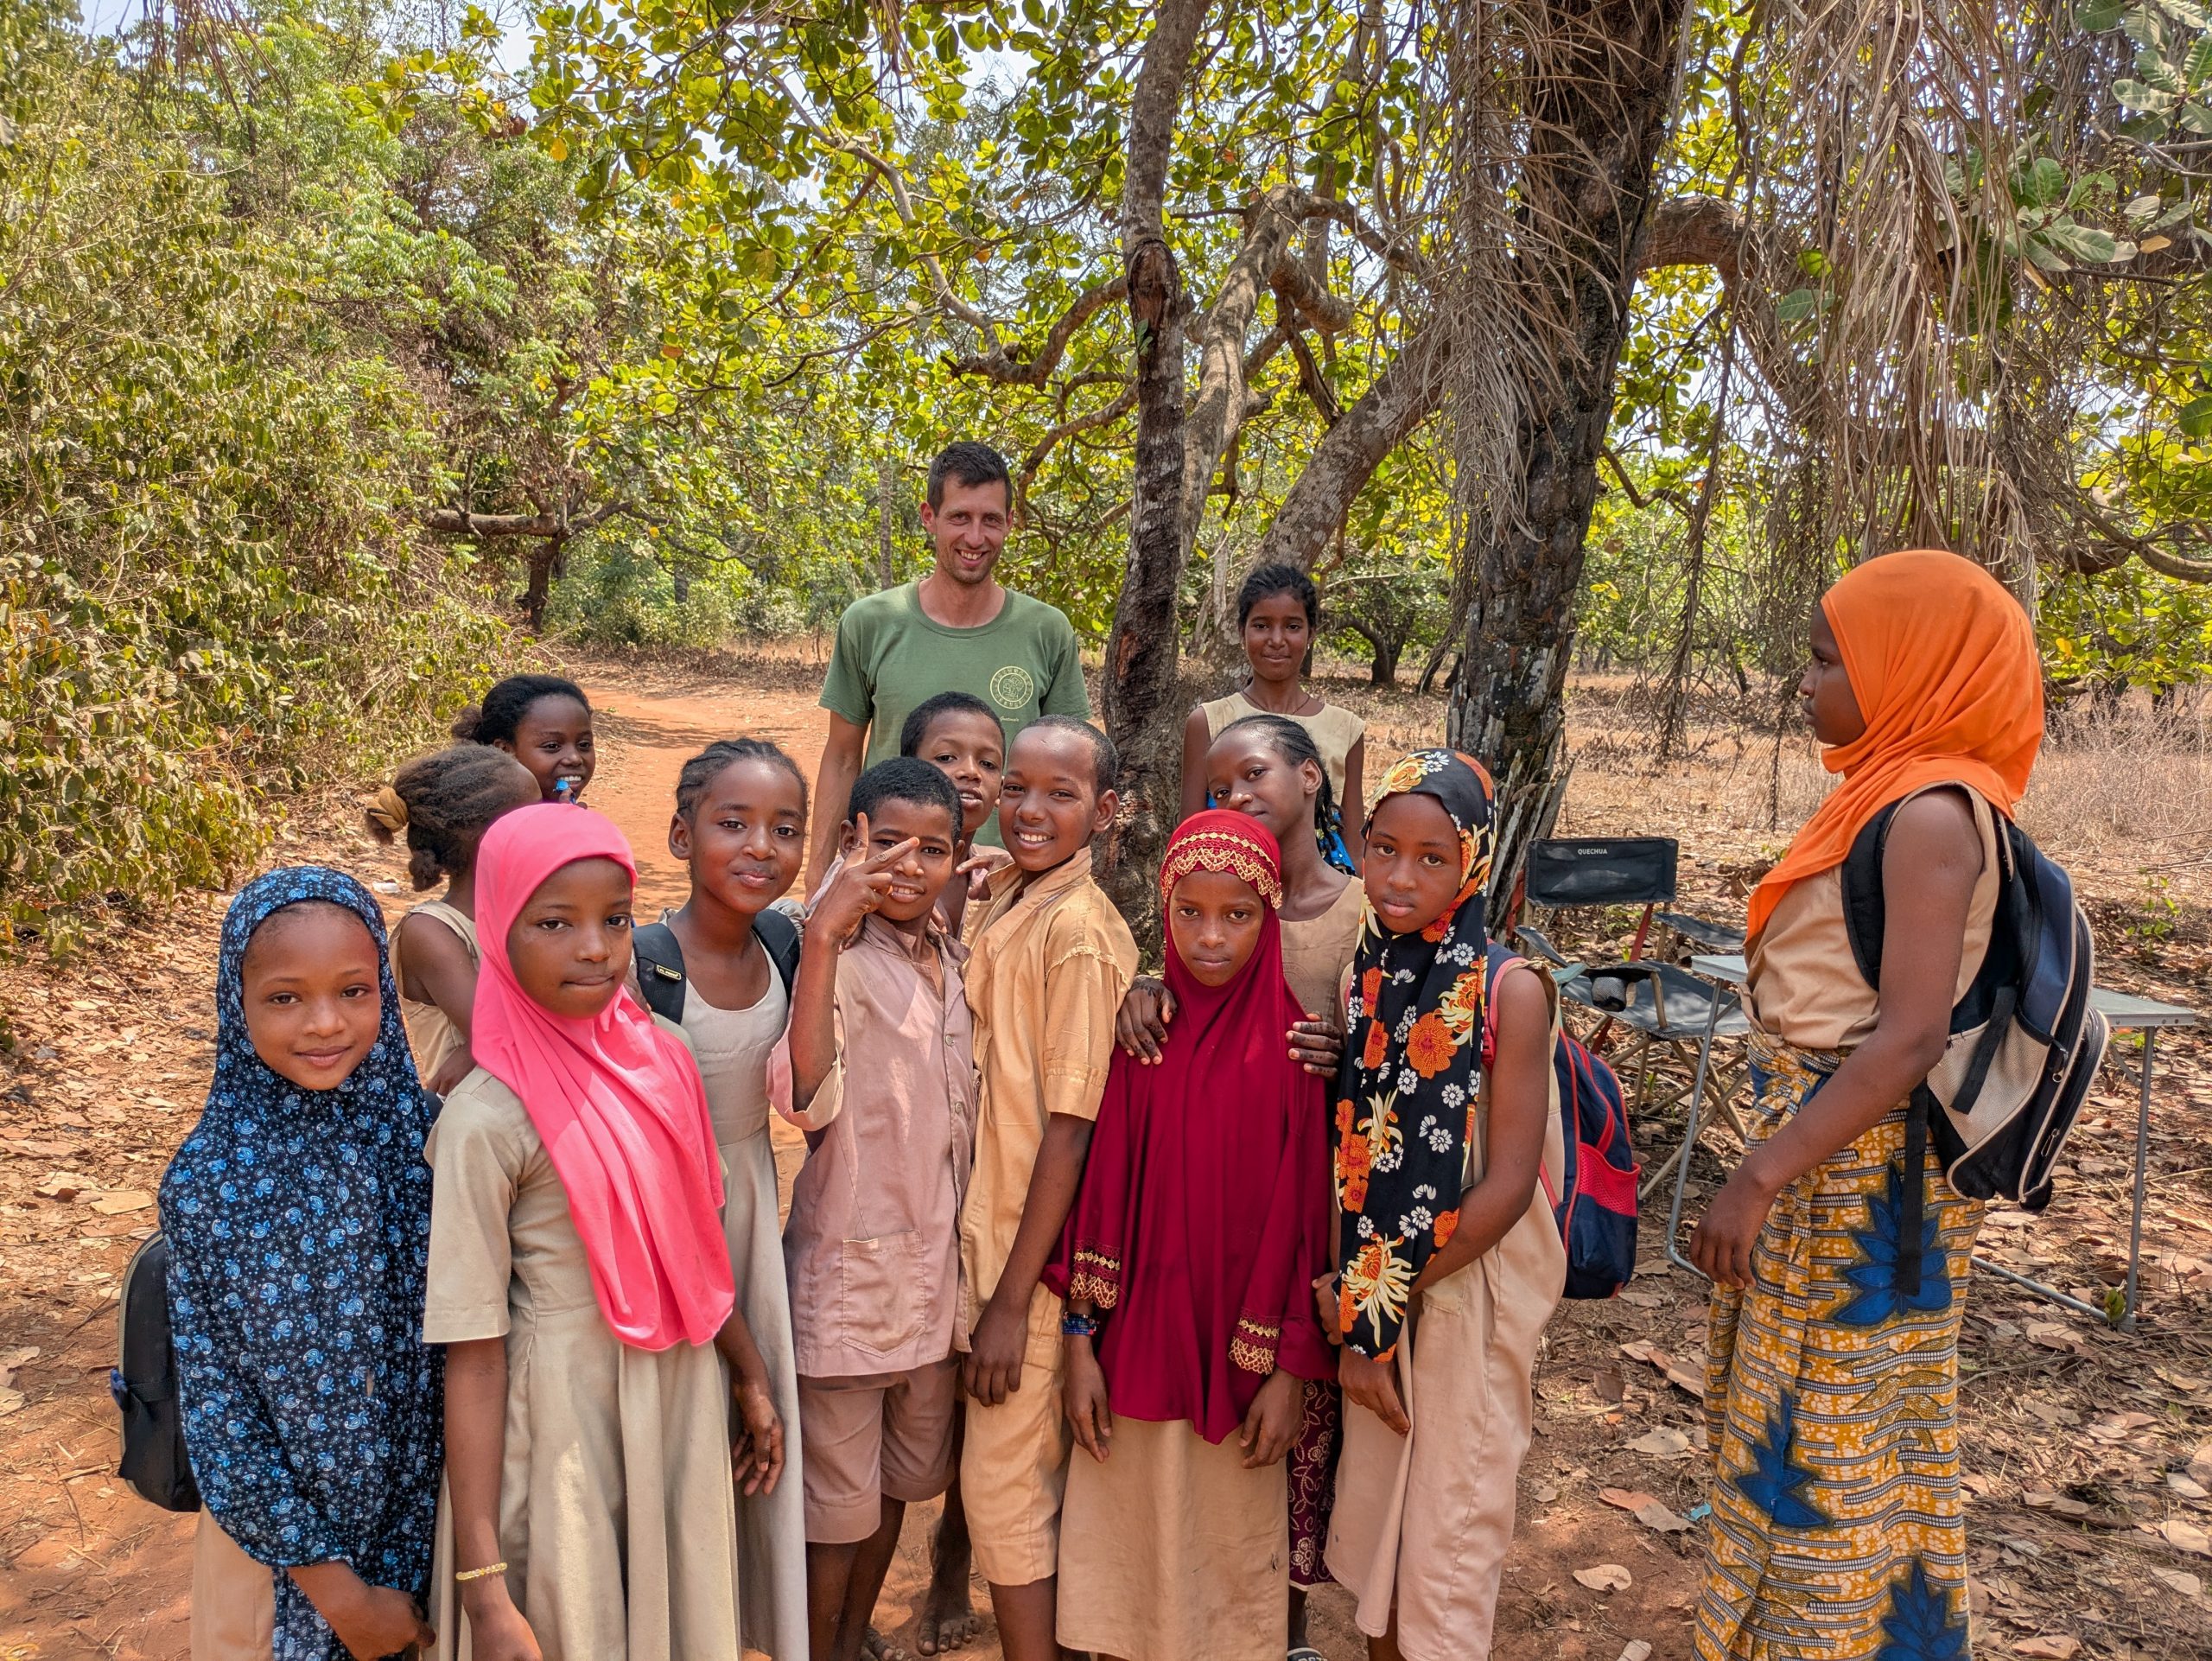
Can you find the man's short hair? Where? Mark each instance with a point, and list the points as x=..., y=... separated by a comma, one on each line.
x=1105, y=759
x=904, y=778
x=972, y=464
x=924, y=714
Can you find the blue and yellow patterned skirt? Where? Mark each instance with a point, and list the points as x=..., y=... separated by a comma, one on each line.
x=1838, y=1528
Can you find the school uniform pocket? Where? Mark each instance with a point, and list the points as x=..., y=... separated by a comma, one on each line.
x=880, y=1300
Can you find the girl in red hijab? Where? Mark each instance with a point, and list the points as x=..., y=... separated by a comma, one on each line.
x=579, y=1276
x=1188, y=1265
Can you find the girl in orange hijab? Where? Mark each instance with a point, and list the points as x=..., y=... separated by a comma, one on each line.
x=1832, y=1391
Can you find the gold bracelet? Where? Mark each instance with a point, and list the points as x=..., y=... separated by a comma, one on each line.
x=480, y=1573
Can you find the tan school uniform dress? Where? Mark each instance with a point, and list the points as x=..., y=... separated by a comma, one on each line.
x=872, y=1245
x=431, y=1032
x=617, y=1510
x=1423, y=1521
x=1049, y=964
x=732, y=1047
x=1334, y=728
x=233, y=1599
x=1316, y=954
x=1172, y=1550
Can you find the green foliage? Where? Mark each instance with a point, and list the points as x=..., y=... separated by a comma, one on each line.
x=210, y=589
x=2127, y=628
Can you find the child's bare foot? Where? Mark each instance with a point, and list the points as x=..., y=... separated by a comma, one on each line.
x=949, y=1622
x=876, y=1647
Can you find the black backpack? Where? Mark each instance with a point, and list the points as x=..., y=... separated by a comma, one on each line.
x=660, y=960
x=2024, y=1044
x=144, y=1381
x=143, y=1384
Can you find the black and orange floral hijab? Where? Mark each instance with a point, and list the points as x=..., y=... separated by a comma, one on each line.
x=1406, y=1091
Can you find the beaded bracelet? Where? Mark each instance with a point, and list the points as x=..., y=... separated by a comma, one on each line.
x=480, y=1573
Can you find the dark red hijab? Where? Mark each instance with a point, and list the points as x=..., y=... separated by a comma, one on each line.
x=1204, y=1216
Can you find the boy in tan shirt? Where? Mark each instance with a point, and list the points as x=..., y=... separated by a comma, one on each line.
x=1051, y=960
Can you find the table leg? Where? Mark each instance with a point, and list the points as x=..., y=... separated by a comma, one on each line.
x=2142, y=1172
x=1689, y=1139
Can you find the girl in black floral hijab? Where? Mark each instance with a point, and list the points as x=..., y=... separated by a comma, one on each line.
x=1446, y=1126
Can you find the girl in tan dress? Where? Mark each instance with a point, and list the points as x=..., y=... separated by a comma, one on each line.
x=1452, y=1263
x=580, y=1278
x=444, y=802
x=740, y=827
x=1278, y=612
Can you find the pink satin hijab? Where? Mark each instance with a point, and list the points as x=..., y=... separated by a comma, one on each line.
x=616, y=1101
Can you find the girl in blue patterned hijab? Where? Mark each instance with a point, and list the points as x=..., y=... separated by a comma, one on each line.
x=298, y=1220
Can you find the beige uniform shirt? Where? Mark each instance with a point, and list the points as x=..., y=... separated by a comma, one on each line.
x=872, y=1245
x=1050, y=961
x=1805, y=985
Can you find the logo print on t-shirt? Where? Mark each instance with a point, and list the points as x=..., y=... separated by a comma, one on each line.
x=1012, y=688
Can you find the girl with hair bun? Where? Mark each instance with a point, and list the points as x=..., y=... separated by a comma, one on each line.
x=443, y=803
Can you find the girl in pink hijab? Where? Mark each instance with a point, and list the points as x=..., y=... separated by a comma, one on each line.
x=579, y=1278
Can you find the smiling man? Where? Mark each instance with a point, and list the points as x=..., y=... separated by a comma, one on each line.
x=956, y=630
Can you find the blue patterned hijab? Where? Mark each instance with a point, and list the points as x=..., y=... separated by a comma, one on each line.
x=299, y=1226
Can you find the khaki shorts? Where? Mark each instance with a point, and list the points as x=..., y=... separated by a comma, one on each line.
x=1013, y=1466
x=878, y=1436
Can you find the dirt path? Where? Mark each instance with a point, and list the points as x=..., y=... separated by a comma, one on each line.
x=2071, y=1430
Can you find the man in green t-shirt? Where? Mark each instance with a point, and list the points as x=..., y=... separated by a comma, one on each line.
x=956, y=630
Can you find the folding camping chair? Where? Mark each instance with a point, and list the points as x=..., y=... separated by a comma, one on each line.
x=1662, y=1003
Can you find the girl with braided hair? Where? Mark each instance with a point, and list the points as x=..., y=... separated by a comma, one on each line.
x=443, y=803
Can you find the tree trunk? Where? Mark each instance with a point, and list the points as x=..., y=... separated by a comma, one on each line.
x=1385, y=650
x=1138, y=686
x=544, y=561
x=1402, y=398
x=886, y=510
x=1383, y=672
x=1600, y=81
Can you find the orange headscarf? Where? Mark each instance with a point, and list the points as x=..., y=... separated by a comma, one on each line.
x=1943, y=662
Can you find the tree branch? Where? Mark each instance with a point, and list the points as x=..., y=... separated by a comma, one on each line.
x=903, y=205
x=1000, y=365
x=460, y=522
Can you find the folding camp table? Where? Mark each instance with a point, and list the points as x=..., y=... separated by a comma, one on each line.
x=2124, y=1012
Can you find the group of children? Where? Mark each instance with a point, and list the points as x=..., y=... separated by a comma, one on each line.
x=1186, y=1292
x=1088, y=1292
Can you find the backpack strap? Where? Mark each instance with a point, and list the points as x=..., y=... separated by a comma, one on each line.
x=1496, y=961
x=1866, y=910
x=779, y=935
x=1913, y=1209
x=660, y=961
x=660, y=969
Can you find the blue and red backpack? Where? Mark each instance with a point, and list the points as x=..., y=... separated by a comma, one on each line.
x=1595, y=1206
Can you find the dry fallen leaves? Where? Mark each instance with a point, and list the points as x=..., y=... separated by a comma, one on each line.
x=1605, y=1577
x=2180, y=1531
x=2057, y=1646
x=2179, y=1580
x=1636, y=1650
x=1664, y=1443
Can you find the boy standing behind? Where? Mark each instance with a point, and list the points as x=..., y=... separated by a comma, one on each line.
x=883, y=1082
x=960, y=738
x=1052, y=960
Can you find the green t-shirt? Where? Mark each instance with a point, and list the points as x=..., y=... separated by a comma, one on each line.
x=890, y=655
